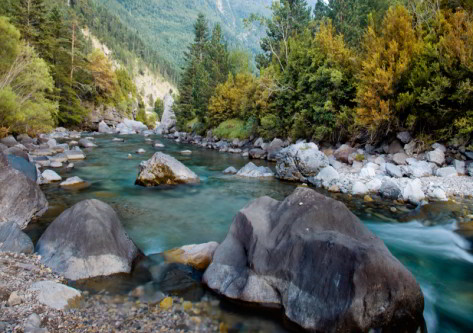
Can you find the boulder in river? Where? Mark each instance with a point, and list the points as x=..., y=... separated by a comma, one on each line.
x=21, y=199
x=12, y=239
x=252, y=171
x=87, y=240
x=300, y=161
x=162, y=169
x=311, y=256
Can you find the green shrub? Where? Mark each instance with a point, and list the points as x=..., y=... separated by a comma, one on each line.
x=232, y=129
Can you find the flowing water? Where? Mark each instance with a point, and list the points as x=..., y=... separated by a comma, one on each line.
x=157, y=219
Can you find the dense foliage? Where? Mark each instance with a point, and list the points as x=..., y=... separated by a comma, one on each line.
x=50, y=74
x=354, y=70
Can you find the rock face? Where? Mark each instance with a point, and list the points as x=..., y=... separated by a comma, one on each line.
x=12, y=239
x=87, y=240
x=198, y=256
x=300, y=161
x=162, y=169
x=55, y=295
x=311, y=256
x=21, y=199
x=168, y=119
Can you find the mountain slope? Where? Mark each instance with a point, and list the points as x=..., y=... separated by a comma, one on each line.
x=168, y=25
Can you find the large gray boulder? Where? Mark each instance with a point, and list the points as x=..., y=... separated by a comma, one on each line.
x=21, y=199
x=12, y=239
x=168, y=120
x=162, y=169
x=300, y=161
x=311, y=256
x=87, y=240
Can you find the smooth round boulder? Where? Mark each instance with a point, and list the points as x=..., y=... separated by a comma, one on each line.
x=87, y=240
x=21, y=199
x=311, y=256
x=162, y=169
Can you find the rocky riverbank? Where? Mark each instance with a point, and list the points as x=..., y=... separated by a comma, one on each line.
x=395, y=171
x=24, y=309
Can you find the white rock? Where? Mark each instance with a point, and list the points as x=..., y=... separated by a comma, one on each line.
x=54, y=295
x=73, y=181
x=446, y=172
x=50, y=176
x=374, y=185
x=413, y=192
x=359, y=189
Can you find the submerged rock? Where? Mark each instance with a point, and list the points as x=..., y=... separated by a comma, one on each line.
x=21, y=199
x=12, y=239
x=311, y=256
x=198, y=256
x=162, y=169
x=85, y=241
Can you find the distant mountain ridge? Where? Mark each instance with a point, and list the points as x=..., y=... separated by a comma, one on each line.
x=168, y=25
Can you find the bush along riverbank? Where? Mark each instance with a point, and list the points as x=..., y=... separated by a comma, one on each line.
x=401, y=170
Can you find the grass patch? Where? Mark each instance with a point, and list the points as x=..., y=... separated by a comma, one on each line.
x=232, y=129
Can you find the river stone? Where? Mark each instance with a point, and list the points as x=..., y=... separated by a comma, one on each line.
x=390, y=190
x=359, y=188
x=418, y=169
x=252, y=171
x=343, y=152
x=395, y=147
x=413, y=192
x=103, y=128
x=72, y=181
x=459, y=166
x=74, y=155
x=21, y=199
x=257, y=153
x=197, y=256
x=311, y=256
x=405, y=137
x=230, y=171
x=50, y=176
x=12, y=239
x=9, y=141
x=436, y=156
x=400, y=158
x=326, y=177
x=84, y=143
x=300, y=161
x=393, y=170
x=446, y=172
x=55, y=295
x=85, y=241
x=162, y=169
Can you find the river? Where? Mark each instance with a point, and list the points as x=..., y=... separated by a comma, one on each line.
x=427, y=242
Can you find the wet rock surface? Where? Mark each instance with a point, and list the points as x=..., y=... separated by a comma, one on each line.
x=310, y=255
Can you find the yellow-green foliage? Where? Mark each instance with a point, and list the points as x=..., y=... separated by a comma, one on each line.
x=387, y=56
x=232, y=129
x=25, y=82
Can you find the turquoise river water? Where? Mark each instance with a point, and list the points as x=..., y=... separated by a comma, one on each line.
x=426, y=240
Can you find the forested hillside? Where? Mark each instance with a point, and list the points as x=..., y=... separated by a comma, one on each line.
x=353, y=70
x=50, y=74
x=168, y=25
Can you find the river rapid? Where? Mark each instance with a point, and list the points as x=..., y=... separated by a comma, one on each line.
x=427, y=241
